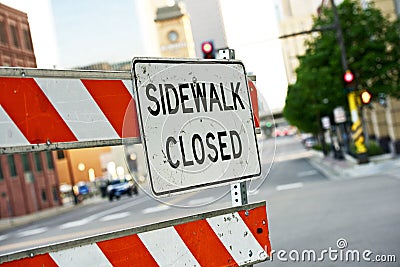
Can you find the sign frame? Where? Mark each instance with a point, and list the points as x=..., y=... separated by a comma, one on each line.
x=252, y=134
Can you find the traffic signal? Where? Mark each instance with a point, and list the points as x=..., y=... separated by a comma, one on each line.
x=348, y=79
x=208, y=50
x=365, y=97
x=348, y=76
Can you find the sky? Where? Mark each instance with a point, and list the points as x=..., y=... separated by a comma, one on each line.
x=92, y=31
x=68, y=34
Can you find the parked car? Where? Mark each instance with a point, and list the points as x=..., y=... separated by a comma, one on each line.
x=82, y=191
x=117, y=188
x=310, y=142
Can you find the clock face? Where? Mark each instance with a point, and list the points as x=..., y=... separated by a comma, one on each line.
x=172, y=36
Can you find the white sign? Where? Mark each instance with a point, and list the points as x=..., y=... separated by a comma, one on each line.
x=339, y=115
x=326, y=122
x=196, y=122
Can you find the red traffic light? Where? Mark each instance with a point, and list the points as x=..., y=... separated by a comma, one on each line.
x=365, y=97
x=207, y=47
x=348, y=77
x=208, y=50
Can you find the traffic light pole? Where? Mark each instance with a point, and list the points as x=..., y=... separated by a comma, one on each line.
x=356, y=127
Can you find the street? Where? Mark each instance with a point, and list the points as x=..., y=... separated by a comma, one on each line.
x=306, y=211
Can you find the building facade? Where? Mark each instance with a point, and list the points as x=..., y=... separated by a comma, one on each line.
x=295, y=16
x=80, y=165
x=15, y=39
x=205, y=20
x=174, y=32
x=28, y=182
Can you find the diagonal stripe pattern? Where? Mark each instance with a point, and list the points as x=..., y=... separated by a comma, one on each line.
x=230, y=239
x=54, y=110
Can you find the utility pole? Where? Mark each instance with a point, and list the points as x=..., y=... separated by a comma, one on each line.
x=356, y=127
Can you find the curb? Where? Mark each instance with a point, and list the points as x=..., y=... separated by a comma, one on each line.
x=339, y=170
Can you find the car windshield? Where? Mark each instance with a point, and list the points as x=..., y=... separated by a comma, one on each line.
x=113, y=182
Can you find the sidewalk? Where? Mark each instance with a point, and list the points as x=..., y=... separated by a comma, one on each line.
x=349, y=168
x=9, y=223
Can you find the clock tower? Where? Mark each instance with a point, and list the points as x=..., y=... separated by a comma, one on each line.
x=174, y=32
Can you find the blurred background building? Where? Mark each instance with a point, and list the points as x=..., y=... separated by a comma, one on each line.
x=28, y=182
x=382, y=122
x=174, y=32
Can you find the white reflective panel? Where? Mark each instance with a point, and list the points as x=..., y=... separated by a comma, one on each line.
x=197, y=124
x=77, y=108
x=10, y=135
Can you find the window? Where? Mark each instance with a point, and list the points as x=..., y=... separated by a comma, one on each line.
x=27, y=40
x=60, y=154
x=44, y=197
x=38, y=161
x=25, y=162
x=3, y=35
x=50, y=162
x=1, y=172
x=11, y=165
x=14, y=35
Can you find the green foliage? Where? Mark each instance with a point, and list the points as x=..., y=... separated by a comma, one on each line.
x=373, y=54
x=373, y=149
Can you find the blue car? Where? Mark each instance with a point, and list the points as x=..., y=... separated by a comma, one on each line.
x=117, y=188
x=81, y=189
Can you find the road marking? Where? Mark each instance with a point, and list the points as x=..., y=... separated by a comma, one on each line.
x=307, y=173
x=74, y=224
x=286, y=157
x=200, y=201
x=289, y=186
x=155, y=209
x=32, y=232
x=115, y=216
x=101, y=214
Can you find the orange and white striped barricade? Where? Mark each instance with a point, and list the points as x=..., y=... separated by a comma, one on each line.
x=65, y=109
x=43, y=109
x=234, y=236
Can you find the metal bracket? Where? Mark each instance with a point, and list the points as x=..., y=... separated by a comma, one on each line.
x=226, y=53
x=238, y=190
x=239, y=194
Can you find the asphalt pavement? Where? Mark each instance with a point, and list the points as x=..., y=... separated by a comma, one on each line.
x=313, y=202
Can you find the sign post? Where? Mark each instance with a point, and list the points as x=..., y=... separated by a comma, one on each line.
x=197, y=123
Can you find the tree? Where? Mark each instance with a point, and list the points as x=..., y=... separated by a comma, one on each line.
x=371, y=42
